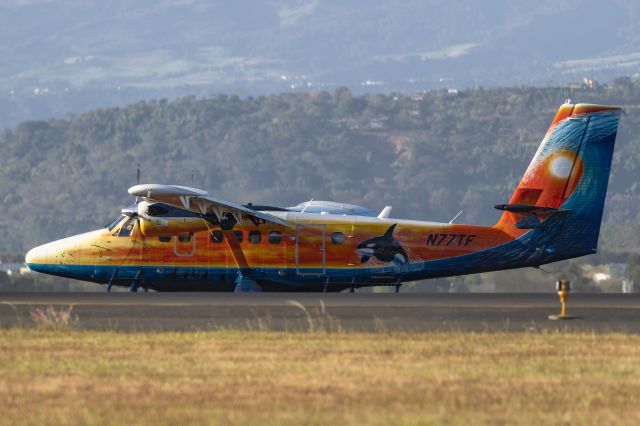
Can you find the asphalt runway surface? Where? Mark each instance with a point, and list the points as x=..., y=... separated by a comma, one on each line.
x=317, y=311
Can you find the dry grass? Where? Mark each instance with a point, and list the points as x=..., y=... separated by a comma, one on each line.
x=52, y=318
x=232, y=377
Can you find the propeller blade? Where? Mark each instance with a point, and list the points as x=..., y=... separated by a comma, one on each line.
x=138, y=181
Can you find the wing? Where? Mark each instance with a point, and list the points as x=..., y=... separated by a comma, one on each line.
x=198, y=201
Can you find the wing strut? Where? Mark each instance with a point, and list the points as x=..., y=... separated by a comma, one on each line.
x=234, y=246
x=236, y=251
x=244, y=280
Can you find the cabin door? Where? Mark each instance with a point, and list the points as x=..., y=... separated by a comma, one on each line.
x=311, y=249
x=184, y=250
x=184, y=246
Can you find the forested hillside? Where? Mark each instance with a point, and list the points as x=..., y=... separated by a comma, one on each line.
x=429, y=155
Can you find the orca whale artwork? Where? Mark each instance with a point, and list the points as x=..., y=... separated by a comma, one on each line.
x=384, y=248
x=177, y=238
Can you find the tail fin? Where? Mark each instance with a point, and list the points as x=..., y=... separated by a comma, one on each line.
x=561, y=195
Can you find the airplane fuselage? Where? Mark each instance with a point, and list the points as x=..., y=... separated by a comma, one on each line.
x=319, y=252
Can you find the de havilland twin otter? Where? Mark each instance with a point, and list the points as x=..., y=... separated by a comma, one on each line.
x=177, y=238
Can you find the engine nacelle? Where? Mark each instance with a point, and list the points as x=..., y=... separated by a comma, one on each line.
x=158, y=219
x=171, y=226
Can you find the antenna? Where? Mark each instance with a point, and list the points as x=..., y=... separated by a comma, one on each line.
x=456, y=216
x=193, y=172
x=307, y=205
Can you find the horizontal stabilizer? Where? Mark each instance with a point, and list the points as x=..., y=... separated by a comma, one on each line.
x=532, y=214
x=526, y=209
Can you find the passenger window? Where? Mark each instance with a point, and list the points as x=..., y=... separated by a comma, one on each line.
x=337, y=238
x=217, y=236
x=184, y=238
x=164, y=238
x=126, y=228
x=239, y=236
x=275, y=237
x=255, y=237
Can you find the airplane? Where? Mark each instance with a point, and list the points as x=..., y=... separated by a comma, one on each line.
x=178, y=238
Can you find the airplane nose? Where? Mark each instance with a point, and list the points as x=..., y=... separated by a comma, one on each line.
x=58, y=257
x=36, y=256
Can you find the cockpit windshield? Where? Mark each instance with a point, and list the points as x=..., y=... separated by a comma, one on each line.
x=126, y=228
x=114, y=223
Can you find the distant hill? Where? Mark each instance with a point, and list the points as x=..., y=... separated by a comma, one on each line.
x=429, y=155
x=61, y=56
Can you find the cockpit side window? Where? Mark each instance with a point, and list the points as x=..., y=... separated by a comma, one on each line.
x=114, y=223
x=126, y=228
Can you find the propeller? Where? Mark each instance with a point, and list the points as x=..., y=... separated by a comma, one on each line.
x=132, y=211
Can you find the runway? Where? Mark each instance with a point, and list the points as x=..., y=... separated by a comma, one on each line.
x=332, y=312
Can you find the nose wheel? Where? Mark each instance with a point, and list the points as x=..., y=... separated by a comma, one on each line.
x=136, y=283
x=110, y=283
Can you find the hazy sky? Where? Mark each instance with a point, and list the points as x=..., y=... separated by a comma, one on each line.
x=79, y=54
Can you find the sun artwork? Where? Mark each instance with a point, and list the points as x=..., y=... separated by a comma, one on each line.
x=560, y=165
x=565, y=169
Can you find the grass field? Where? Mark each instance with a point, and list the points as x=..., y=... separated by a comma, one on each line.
x=235, y=377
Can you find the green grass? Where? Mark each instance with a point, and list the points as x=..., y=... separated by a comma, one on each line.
x=235, y=377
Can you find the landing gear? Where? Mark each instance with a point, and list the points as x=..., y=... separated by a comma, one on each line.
x=245, y=284
x=110, y=283
x=398, y=287
x=136, y=282
x=326, y=285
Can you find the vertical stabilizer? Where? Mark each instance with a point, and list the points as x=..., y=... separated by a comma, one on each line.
x=561, y=195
